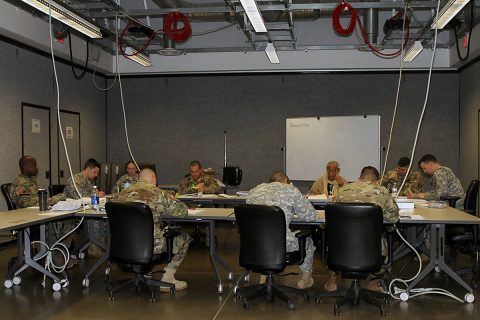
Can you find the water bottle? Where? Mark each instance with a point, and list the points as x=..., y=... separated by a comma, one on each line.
x=42, y=199
x=94, y=198
x=394, y=190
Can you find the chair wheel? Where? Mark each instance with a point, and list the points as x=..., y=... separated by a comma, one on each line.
x=246, y=305
x=306, y=297
x=269, y=297
x=383, y=312
x=336, y=310
x=318, y=300
x=290, y=306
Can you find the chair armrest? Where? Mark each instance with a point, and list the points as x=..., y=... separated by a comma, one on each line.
x=391, y=230
x=472, y=212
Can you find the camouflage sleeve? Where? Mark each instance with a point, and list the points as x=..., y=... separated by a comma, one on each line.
x=437, y=188
x=22, y=197
x=69, y=190
x=173, y=206
x=56, y=198
x=211, y=185
x=415, y=185
x=390, y=212
x=302, y=207
x=186, y=187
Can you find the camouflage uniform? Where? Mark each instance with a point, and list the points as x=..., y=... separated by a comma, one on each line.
x=319, y=186
x=413, y=183
x=119, y=185
x=445, y=183
x=24, y=191
x=84, y=186
x=189, y=185
x=161, y=203
x=365, y=191
x=292, y=202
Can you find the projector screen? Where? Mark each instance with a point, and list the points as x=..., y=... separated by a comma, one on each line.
x=353, y=141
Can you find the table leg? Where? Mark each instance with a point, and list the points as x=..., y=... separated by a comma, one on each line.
x=214, y=258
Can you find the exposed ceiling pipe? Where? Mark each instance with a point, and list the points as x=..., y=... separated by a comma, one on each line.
x=370, y=22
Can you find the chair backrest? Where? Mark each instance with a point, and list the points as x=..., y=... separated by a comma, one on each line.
x=262, y=237
x=6, y=194
x=131, y=232
x=55, y=189
x=354, y=233
x=471, y=197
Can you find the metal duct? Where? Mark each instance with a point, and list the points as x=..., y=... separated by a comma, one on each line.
x=370, y=22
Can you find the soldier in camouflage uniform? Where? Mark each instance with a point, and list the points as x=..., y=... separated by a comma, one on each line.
x=413, y=183
x=127, y=179
x=368, y=190
x=444, y=182
x=161, y=203
x=83, y=181
x=198, y=181
x=279, y=192
x=24, y=189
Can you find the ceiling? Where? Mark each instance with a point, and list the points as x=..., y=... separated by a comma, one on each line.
x=293, y=26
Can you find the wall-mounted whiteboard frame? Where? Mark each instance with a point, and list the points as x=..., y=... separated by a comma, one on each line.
x=353, y=141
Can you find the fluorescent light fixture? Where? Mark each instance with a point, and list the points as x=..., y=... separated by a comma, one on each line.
x=67, y=17
x=254, y=15
x=413, y=51
x=271, y=53
x=141, y=58
x=447, y=13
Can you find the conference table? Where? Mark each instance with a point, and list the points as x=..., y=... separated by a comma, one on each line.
x=436, y=218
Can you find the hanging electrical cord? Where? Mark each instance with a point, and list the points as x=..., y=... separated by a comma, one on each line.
x=84, y=71
x=122, y=101
x=396, y=104
x=145, y=45
x=116, y=63
x=469, y=35
x=170, y=26
x=354, y=20
x=213, y=30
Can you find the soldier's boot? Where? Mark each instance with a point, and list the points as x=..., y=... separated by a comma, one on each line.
x=306, y=281
x=169, y=276
x=263, y=279
x=331, y=284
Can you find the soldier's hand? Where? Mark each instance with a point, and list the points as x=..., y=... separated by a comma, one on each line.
x=410, y=195
x=101, y=194
x=201, y=187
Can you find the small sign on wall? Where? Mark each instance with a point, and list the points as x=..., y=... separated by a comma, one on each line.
x=69, y=133
x=35, y=126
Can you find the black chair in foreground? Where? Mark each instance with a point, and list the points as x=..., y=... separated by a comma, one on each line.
x=465, y=238
x=263, y=250
x=5, y=191
x=354, y=232
x=131, y=245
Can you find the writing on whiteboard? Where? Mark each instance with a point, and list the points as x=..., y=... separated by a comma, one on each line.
x=298, y=125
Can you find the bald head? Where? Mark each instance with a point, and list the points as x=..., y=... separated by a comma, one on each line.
x=28, y=166
x=148, y=176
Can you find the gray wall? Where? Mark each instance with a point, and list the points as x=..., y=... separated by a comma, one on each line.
x=469, y=116
x=173, y=120
x=28, y=77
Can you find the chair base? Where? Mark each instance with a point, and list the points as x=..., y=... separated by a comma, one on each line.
x=270, y=290
x=353, y=295
x=140, y=282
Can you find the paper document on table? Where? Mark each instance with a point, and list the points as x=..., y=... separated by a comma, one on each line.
x=69, y=204
x=223, y=195
x=317, y=197
x=195, y=211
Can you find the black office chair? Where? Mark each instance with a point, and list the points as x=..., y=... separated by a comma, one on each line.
x=6, y=194
x=55, y=189
x=465, y=238
x=263, y=250
x=131, y=245
x=354, y=233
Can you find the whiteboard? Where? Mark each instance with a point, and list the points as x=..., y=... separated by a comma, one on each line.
x=353, y=141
